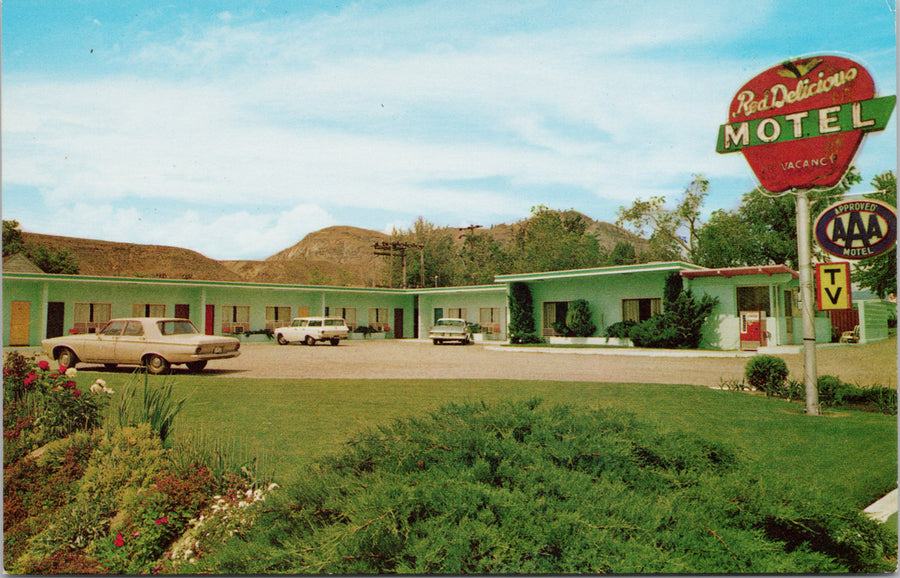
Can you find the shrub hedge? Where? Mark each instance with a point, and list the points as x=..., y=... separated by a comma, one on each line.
x=527, y=488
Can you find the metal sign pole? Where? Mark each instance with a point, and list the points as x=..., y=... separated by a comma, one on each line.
x=807, y=304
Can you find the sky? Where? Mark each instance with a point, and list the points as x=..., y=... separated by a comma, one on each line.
x=236, y=128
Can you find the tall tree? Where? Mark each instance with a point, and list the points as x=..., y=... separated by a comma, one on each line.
x=438, y=254
x=672, y=231
x=879, y=273
x=481, y=258
x=553, y=241
x=763, y=230
x=13, y=241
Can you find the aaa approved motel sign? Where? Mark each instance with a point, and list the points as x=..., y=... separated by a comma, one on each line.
x=799, y=124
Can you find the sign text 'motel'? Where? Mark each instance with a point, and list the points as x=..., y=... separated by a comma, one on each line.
x=867, y=115
x=799, y=124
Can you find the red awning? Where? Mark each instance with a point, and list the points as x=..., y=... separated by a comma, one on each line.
x=736, y=271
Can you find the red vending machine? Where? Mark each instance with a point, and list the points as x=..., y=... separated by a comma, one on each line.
x=753, y=330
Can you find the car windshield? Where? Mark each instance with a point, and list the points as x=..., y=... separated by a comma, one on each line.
x=176, y=327
x=113, y=328
x=450, y=323
x=334, y=322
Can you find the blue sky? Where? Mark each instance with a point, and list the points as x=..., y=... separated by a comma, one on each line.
x=236, y=128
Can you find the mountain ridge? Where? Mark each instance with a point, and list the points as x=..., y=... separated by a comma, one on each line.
x=339, y=255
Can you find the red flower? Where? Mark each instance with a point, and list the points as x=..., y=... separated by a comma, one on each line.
x=44, y=364
x=70, y=384
x=76, y=393
x=119, y=541
x=29, y=379
x=162, y=520
x=62, y=369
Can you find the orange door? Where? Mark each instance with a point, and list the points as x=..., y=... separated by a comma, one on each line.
x=19, y=322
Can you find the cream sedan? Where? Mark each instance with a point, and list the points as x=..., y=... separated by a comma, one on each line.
x=154, y=342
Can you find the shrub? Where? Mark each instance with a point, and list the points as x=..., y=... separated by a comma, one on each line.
x=521, y=312
x=766, y=373
x=524, y=488
x=578, y=319
x=620, y=329
x=680, y=326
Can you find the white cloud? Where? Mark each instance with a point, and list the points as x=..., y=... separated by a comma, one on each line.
x=389, y=110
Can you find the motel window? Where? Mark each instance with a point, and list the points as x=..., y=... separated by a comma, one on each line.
x=148, y=310
x=754, y=298
x=277, y=317
x=638, y=310
x=348, y=314
x=438, y=313
x=378, y=319
x=489, y=319
x=235, y=318
x=457, y=312
x=89, y=317
x=553, y=312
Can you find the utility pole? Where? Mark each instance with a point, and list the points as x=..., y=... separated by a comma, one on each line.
x=387, y=249
x=470, y=229
x=807, y=303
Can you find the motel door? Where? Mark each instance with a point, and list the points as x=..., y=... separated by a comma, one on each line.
x=398, y=323
x=19, y=322
x=210, y=323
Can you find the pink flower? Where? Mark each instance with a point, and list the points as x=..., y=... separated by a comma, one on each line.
x=44, y=364
x=162, y=520
x=136, y=534
x=119, y=541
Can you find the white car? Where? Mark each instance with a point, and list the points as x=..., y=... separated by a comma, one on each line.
x=309, y=330
x=450, y=329
x=155, y=342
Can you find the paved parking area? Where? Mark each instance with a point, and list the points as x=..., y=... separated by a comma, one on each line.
x=418, y=359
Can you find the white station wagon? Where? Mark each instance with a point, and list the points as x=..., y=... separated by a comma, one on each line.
x=155, y=342
x=309, y=330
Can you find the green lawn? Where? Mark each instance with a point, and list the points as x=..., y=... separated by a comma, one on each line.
x=295, y=421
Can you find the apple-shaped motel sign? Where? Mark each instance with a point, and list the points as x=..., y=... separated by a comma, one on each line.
x=799, y=124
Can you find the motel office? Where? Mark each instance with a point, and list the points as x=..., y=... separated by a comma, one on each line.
x=37, y=305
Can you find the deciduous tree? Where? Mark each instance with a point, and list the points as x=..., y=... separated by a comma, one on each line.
x=879, y=273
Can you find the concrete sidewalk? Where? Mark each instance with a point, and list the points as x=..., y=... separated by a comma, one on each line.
x=883, y=508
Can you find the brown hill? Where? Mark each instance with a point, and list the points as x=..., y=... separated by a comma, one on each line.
x=109, y=258
x=339, y=256
x=344, y=245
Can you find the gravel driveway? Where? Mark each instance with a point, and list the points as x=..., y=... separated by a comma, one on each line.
x=412, y=359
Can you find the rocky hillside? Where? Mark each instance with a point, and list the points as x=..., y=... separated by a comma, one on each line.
x=133, y=260
x=340, y=255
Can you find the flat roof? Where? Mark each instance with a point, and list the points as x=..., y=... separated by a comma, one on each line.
x=597, y=271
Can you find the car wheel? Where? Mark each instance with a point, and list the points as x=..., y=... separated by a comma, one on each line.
x=309, y=340
x=156, y=364
x=67, y=357
x=196, y=366
x=436, y=341
x=335, y=341
x=282, y=340
x=465, y=341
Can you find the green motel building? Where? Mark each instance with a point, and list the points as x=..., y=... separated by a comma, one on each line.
x=757, y=306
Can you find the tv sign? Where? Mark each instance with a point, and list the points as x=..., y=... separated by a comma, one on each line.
x=799, y=124
x=857, y=229
x=833, y=282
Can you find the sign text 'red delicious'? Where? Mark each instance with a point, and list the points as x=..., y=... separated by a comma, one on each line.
x=799, y=124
